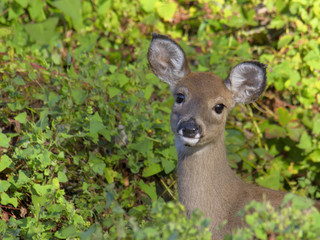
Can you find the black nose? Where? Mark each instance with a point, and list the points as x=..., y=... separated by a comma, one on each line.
x=189, y=129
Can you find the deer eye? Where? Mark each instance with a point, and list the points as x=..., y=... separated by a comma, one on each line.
x=180, y=98
x=219, y=108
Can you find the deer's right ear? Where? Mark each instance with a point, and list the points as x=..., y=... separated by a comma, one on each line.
x=247, y=81
x=167, y=59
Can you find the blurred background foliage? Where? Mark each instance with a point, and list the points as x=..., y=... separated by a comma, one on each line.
x=85, y=142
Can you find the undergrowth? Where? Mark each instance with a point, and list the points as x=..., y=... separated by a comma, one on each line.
x=85, y=143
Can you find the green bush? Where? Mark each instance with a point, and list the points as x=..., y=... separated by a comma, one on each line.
x=296, y=219
x=85, y=143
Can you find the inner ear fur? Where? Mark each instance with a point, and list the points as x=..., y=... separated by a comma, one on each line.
x=247, y=81
x=167, y=59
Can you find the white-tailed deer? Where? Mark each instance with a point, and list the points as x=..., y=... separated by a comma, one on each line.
x=198, y=118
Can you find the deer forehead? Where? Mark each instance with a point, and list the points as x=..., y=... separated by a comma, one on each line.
x=205, y=86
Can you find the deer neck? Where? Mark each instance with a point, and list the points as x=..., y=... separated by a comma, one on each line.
x=206, y=181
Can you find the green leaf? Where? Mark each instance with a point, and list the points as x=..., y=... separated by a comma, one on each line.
x=251, y=14
x=316, y=218
x=66, y=232
x=305, y=141
x=251, y=219
x=44, y=119
x=284, y=41
x=151, y=170
x=4, y=185
x=149, y=189
x=42, y=32
x=103, y=7
x=298, y=202
x=15, y=11
x=23, y=3
x=143, y=146
x=23, y=178
x=55, y=210
x=312, y=55
x=55, y=183
x=236, y=21
x=168, y=165
x=62, y=177
x=96, y=164
x=277, y=23
x=166, y=10
x=53, y=99
x=315, y=156
x=283, y=114
x=42, y=190
x=313, y=58
x=94, y=232
x=294, y=78
x=96, y=124
x=112, y=68
x=243, y=51
x=280, y=5
x=97, y=127
x=122, y=79
x=3, y=226
x=113, y=91
x=21, y=118
x=36, y=10
x=110, y=175
x=45, y=158
x=260, y=233
x=4, y=140
x=4, y=32
x=109, y=199
x=150, y=231
x=18, y=80
x=294, y=131
x=148, y=5
x=79, y=95
x=5, y=200
x=148, y=91
x=271, y=180
x=316, y=125
x=5, y=162
x=56, y=58
x=71, y=8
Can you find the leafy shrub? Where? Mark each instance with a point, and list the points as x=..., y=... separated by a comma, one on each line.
x=166, y=221
x=296, y=219
x=85, y=143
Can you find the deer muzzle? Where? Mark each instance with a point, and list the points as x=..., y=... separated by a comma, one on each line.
x=189, y=132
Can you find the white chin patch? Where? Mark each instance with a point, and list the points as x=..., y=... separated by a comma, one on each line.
x=189, y=141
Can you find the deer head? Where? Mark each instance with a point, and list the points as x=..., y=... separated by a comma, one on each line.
x=202, y=100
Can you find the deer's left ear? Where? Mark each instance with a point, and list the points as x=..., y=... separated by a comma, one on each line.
x=167, y=59
x=247, y=81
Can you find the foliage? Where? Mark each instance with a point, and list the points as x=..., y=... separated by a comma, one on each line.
x=296, y=219
x=166, y=221
x=85, y=143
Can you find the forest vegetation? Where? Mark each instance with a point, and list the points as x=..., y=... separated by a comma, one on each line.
x=85, y=141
